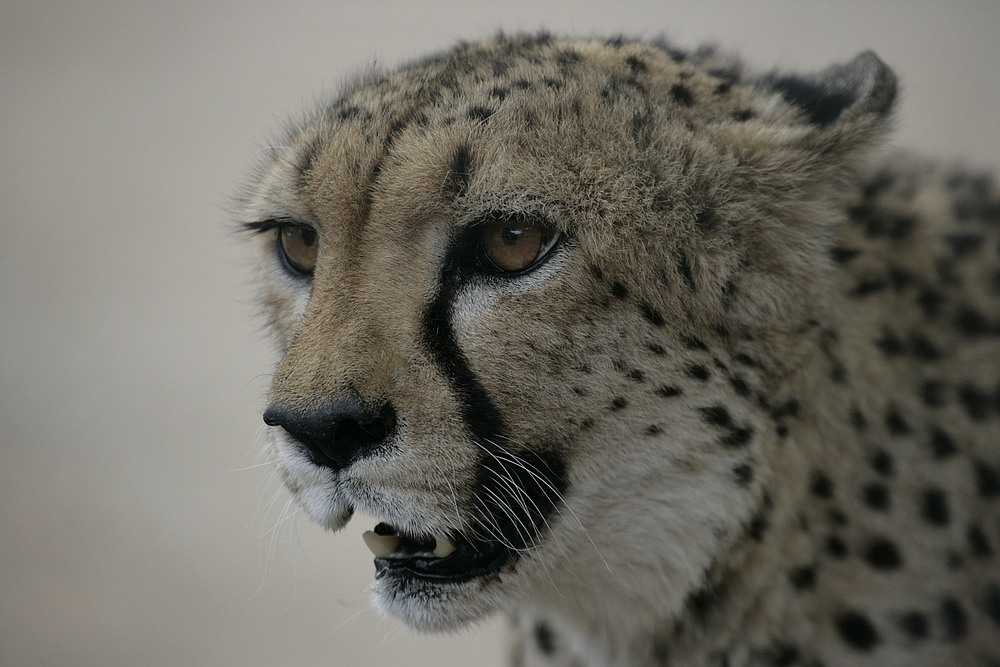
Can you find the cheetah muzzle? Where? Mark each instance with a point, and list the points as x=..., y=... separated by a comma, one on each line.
x=643, y=349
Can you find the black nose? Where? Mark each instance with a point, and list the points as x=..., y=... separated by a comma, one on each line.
x=338, y=433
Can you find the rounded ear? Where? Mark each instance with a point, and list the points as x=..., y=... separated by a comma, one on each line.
x=847, y=107
x=840, y=93
x=827, y=121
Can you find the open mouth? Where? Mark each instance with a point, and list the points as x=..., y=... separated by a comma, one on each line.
x=438, y=558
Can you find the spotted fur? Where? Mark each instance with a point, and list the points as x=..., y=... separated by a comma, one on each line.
x=747, y=412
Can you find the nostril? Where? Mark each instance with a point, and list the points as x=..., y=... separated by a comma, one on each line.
x=273, y=416
x=366, y=433
x=338, y=433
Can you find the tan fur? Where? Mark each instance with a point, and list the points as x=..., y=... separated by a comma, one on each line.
x=771, y=374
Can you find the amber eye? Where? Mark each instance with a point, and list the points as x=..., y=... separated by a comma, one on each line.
x=513, y=245
x=298, y=248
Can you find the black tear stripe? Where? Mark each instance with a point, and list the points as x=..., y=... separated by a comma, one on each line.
x=515, y=493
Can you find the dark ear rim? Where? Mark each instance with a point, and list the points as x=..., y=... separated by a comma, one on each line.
x=863, y=85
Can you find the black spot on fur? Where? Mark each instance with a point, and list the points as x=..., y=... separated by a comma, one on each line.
x=987, y=480
x=596, y=272
x=900, y=279
x=739, y=385
x=637, y=375
x=306, y=159
x=876, y=496
x=923, y=349
x=717, y=415
x=934, y=507
x=618, y=403
x=977, y=403
x=890, y=344
x=702, y=601
x=964, y=243
x=914, y=624
x=460, y=171
x=901, y=227
x=636, y=65
x=869, y=286
x=843, y=255
x=501, y=65
x=978, y=543
x=693, y=343
x=706, y=220
x=480, y=114
x=499, y=93
x=745, y=359
x=882, y=463
x=932, y=393
x=757, y=527
x=991, y=602
x=681, y=94
x=836, y=547
x=698, y=372
x=856, y=630
x=942, y=444
x=651, y=314
x=684, y=265
x=882, y=554
x=858, y=420
x=656, y=348
x=973, y=324
x=738, y=437
x=743, y=473
x=930, y=301
x=837, y=517
x=744, y=115
x=895, y=422
x=544, y=638
x=803, y=578
x=820, y=485
x=666, y=391
x=653, y=429
x=348, y=112
x=618, y=290
x=953, y=619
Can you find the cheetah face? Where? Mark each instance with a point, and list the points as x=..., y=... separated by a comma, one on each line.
x=508, y=287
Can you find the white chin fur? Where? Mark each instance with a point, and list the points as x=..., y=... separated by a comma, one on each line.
x=426, y=607
x=323, y=508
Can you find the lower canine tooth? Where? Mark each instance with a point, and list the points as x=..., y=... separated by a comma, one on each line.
x=444, y=546
x=381, y=545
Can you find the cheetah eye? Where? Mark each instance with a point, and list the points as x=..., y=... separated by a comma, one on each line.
x=298, y=248
x=512, y=246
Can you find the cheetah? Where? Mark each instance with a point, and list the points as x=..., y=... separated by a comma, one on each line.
x=653, y=353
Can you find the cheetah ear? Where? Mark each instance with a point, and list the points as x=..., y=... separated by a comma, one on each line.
x=843, y=111
x=860, y=91
x=828, y=122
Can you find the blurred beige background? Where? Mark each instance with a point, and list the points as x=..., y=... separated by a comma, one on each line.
x=135, y=528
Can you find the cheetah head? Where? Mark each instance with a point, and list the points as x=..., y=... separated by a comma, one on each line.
x=532, y=298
